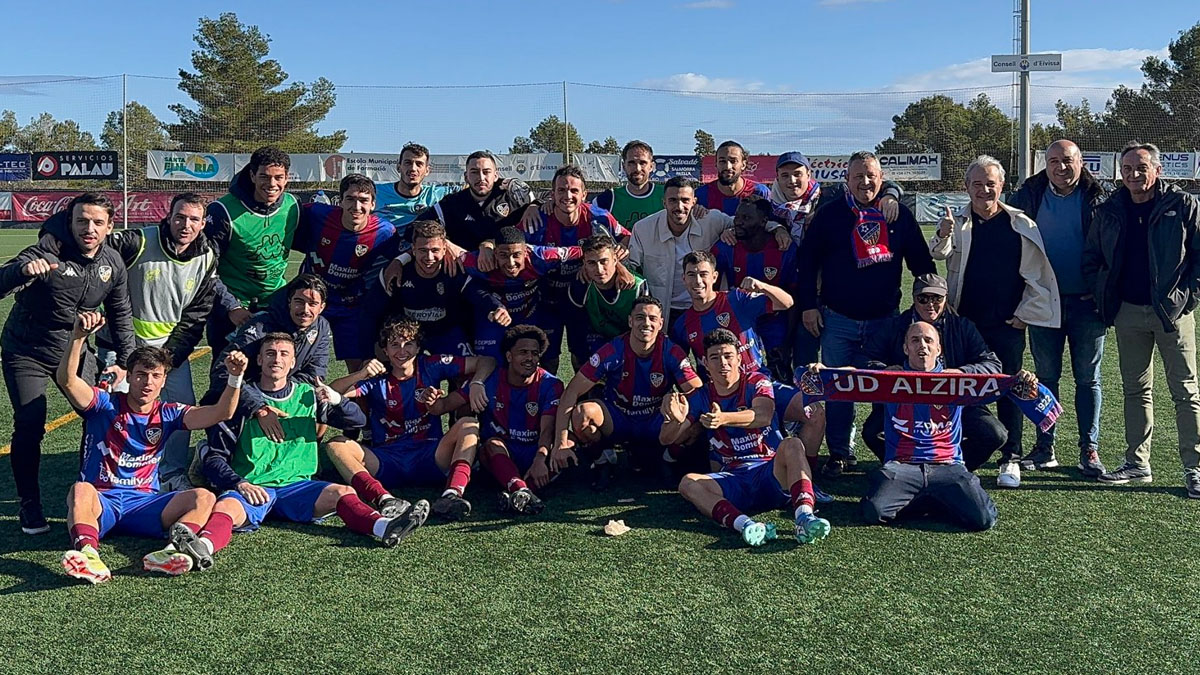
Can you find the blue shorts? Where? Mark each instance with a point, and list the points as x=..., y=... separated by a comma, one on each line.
x=133, y=512
x=453, y=342
x=402, y=464
x=784, y=393
x=350, y=336
x=522, y=453
x=634, y=432
x=293, y=502
x=754, y=489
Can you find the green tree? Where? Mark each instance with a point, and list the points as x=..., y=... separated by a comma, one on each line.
x=610, y=146
x=705, y=143
x=146, y=132
x=8, y=129
x=46, y=133
x=549, y=136
x=958, y=132
x=241, y=100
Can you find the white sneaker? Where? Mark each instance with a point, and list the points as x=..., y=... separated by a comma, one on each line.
x=1010, y=475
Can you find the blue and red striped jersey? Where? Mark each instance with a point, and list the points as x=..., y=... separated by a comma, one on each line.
x=710, y=196
x=736, y=310
x=391, y=404
x=121, y=448
x=735, y=448
x=636, y=384
x=516, y=412
x=343, y=258
x=591, y=220
x=770, y=265
x=919, y=433
x=520, y=294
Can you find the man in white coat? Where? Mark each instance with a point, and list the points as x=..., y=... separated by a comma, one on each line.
x=1008, y=286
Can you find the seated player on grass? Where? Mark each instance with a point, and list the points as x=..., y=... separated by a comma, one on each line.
x=806, y=422
x=923, y=461
x=638, y=369
x=750, y=460
x=258, y=473
x=124, y=435
x=518, y=428
x=408, y=447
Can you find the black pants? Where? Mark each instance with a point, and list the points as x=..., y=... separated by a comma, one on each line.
x=982, y=434
x=218, y=329
x=1009, y=345
x=945, y=491
x=26, y=379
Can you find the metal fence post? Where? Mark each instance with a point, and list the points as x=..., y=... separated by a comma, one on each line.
x=125, y=150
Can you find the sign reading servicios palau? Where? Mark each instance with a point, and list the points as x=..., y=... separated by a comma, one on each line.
x=98, y=164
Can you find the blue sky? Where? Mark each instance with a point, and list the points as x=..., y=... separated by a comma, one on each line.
x=695, y=52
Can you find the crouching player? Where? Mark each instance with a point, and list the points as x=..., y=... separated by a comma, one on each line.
x=124, y=435
x=638, y=369
x=258, y=474
x=922, y=459
x=518, y=428
x=751, y=461
x=408, y=446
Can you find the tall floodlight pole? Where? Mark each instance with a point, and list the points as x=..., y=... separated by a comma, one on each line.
x=125, y=149
x=1023, y=151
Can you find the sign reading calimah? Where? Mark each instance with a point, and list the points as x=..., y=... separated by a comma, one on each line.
x=832, y=168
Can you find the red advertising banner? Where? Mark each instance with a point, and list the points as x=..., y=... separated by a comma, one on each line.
x=759, y=167
x=144, y=207
x=5, y=206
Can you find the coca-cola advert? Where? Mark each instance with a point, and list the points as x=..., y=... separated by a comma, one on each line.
x=35, y=207
x=98, y=165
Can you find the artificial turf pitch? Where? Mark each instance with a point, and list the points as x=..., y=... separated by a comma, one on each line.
x=1075, y=577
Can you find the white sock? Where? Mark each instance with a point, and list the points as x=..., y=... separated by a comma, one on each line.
x=207, y=544
x=380, y=526
x=741, y=522
x=802, y=509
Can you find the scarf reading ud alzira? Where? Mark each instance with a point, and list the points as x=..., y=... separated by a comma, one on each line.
x=901, y=386
x=870, y=234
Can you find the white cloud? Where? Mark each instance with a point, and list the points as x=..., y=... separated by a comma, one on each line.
x=708, y=4
x=695, y=83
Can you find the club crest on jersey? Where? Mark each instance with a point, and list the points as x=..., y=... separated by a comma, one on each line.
x=105, y=273
x=531, y=407
x=447, y=359
x=656, y=379
x=501, y=209
x=360, y=250
x=311, y=336
x=441, y=288
x=869, y=233
x=770, y=272
x=810, y=383
x=723, y=319
x=154, y=435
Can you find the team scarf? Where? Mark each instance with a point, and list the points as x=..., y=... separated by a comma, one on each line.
x=932, y=388
x=794, y=213
x=870, y=234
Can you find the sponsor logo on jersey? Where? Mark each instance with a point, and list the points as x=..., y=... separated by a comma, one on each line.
x=770, y=272
x=392, y=403
x=324, y=241
x=69, y=272
x=152, y=274
x=105, y=273
x=154, y=435
x=252, y=330
x=723, y=319
x=595, y=360
x=117, y=426
x=360, y=250
x=531, y=407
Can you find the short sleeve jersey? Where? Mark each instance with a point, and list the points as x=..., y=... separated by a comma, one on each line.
x=392, y=408
x=736, y=310
x=592, y=220
x=731, y=447
x=121, y=448
x=400, y=210
x=770, y=265
x=710, y=196
x=636, y=384
x=341, y=257
x=516, y=412
x=520, y=294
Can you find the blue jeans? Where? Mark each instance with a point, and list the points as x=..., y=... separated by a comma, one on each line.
x=842, y=341
x=176, y=452
x=1082, y=331
x=945, y=491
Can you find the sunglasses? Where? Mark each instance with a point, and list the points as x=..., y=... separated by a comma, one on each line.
x=930, y=299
